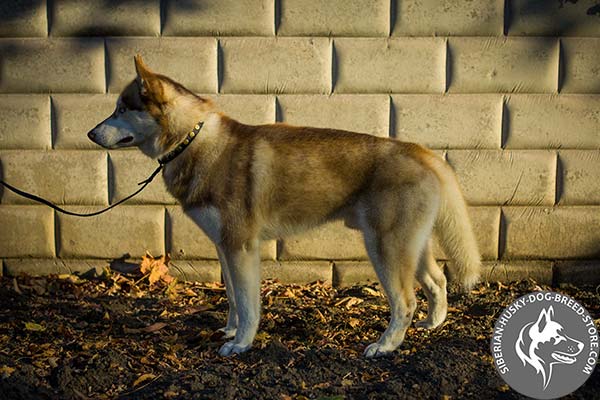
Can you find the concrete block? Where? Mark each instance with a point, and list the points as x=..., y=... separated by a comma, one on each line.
x=542, y=121
x=126, y=230
x=23, y=18
x=189, y=61
x=552, y=18
x=449, y=18
x=247, y=108
x=63, y=177
x=25, y=122
x=486, y=226
x=581, y=62
x=348, y=273
x=390, y=65
x=276, y=65
x=358, y=113
x=334, y=18
x=75, y=115
x=218, y=17
x=509, y=271
x=27, y=231
x=195, y=271
x=105, y=18
x=449, y=121
x=185, y=240
x=297, y=272
x=126, y=169
x=491, y=65
x=332, y=241
x=41, y=266
x=552, y=233
x=577, y=272
x=580, y=183
x=52, y=65
x=505, y=177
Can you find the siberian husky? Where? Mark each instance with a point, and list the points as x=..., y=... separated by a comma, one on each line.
x=243, y=184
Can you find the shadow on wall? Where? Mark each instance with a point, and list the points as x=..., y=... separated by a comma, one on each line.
x=11, y=10
x=17, y=11
x=565, y=15
x=563, y=22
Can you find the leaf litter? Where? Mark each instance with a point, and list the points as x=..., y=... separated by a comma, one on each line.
x=145, y=335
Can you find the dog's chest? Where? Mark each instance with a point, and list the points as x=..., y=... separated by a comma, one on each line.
x=208, y=219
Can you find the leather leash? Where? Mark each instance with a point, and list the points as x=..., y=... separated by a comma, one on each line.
x=162, y=161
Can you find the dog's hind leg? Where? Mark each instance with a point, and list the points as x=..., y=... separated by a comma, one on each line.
x=433, y=282
x=396, y=226
x=395, y=266
x=243, y=265
x=232, y=318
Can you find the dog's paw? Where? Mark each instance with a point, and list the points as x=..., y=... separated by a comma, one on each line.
x=377, y=350
x=228, y=333
x=231, y=348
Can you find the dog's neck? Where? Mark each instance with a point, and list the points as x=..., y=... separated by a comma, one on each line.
x=180, y=118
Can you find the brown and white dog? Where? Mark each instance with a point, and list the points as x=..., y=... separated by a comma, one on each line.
x=243, y=184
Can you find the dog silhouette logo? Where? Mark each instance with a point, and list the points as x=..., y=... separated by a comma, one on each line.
x=545, y=345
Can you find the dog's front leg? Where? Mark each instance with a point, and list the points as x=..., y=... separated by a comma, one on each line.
x=243, y=265
x=232, y=318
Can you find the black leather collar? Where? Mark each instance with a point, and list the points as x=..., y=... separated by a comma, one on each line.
x=170, y=156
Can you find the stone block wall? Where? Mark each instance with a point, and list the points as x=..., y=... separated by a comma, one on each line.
x=508, y=91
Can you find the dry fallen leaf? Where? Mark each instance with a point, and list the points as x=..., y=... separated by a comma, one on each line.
x=156, y=268
x=154, y=327
x=372, y=292
x=6, y=371
x=143, y=378
x=148, y=329
x=170, y=394
x=354, y=322
x=200, y=308
x=32, y=326
x=349, y=302
x=503, y=388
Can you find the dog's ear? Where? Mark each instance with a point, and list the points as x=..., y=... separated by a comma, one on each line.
x=147, y=80
x=544, y=318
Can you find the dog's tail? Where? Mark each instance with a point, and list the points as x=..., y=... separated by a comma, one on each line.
x=454, y=231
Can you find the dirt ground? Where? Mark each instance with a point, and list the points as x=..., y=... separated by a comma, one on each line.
x=65, y=337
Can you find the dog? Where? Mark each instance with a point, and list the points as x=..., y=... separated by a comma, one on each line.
x=242, y=184
x=543, y=344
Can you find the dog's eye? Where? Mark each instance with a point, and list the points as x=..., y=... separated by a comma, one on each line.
x=122, y=110
x=557, y=339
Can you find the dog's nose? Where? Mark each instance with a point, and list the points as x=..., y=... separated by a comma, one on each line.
x=91, y=135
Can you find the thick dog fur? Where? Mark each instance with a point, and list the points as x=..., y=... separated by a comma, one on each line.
x=243, y=184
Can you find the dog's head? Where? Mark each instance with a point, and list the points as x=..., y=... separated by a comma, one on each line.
x=544, y=343
x=145, y=114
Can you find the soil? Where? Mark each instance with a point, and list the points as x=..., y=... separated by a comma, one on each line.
x=66, y=337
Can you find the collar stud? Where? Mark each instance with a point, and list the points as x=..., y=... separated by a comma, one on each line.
x=170, y=156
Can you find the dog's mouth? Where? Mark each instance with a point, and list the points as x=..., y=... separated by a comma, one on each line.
x=563, y=358
x=126, y=140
